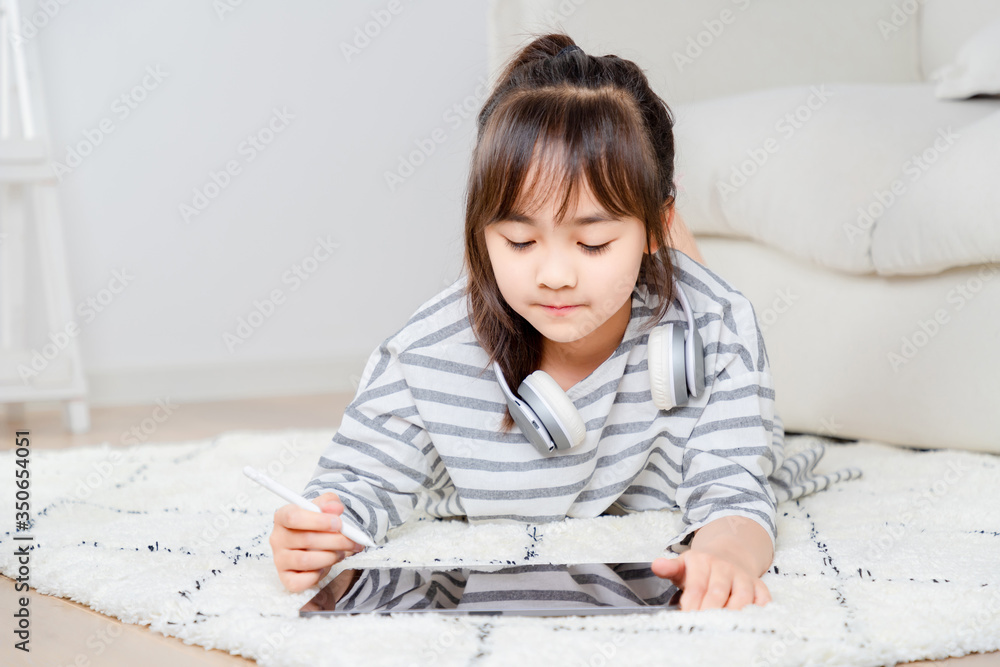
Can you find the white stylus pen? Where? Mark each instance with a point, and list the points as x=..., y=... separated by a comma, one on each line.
x=347, y=530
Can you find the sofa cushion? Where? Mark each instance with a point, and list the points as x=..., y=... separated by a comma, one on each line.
x=951, y=217
x=976, y=68
x=811, y=170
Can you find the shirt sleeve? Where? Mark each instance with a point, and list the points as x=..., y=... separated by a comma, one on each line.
x=729, y=455
x=381, y=459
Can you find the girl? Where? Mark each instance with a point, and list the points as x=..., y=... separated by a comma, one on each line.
x=567, y=271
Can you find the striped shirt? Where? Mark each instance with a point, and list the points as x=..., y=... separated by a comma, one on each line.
x=423, y=432
x=536, y=589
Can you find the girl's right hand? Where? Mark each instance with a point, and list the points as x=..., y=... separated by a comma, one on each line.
x=307, y=544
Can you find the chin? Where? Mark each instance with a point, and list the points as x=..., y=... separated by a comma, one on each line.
x=567, y=333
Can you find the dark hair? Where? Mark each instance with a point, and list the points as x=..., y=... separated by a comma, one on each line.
x=582, y=116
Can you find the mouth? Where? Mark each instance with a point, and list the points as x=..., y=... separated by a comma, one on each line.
x=559, y=310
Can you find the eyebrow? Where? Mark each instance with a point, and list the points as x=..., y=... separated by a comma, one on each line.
x=599, y=216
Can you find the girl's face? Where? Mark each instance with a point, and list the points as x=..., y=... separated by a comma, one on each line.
x=589, y=263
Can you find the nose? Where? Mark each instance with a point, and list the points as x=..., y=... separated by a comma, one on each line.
x=556, y=269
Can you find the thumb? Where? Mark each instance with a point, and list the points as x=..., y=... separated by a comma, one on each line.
x=329, y=503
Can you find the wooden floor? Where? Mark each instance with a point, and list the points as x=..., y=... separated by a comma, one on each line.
x=64, y=632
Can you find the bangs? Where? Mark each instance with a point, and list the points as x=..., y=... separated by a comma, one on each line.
x=547, y=142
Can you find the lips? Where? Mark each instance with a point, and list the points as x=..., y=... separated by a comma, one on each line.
x=558, y=311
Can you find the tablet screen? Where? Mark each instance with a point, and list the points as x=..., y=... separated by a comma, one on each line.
x=522, y=590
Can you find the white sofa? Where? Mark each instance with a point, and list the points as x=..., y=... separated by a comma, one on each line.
x=825, y=179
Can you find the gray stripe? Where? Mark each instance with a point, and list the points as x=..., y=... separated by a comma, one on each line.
x=444, y=366
x=731, y=424
x=441, y=428
x=382, y=457
x=727, y=307
x=742, y=496
x=720, y=472
x=521, y=518
x=444, y=398
x=383, y=362
x=441, y=334
x=742, y=392
x=611, y=491
x=346, y=497
x=459, y=293
x=761, y=353
x=397, y=387
x=389, y=505
x=357, y=416
x=659, y=472
x=521, y=494
x=650, y=492
x=740, y=350
x=749, y=510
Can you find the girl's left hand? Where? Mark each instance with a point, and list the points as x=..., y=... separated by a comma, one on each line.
x=711, y=581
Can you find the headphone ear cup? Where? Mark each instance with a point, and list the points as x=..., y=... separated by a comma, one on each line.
x=667, y=381
x=554, y=408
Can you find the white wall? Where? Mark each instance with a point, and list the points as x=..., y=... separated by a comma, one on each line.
x=321, y=176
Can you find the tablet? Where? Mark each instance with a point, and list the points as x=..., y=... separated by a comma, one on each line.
x=520, y=590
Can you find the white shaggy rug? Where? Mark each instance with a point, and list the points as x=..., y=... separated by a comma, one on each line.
x=902, y=564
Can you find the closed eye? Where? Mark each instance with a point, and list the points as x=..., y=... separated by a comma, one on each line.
x=590, y=249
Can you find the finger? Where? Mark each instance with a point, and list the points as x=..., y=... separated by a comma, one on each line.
x=761, y=595
x=327, y=498
x=742, y=593
x=669, y=568
x=313, y=540
x=696, y=573
x=329, y=505
x=296, y=582
x=296, y=518
x=720, y=584
x=301, y=560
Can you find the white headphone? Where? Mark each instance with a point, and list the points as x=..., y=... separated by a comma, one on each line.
x=547, y=417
